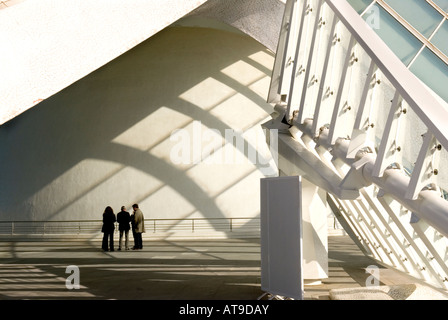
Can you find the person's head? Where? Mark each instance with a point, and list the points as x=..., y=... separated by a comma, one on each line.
x=135, y=206
x=108, y=210
x=123, y=208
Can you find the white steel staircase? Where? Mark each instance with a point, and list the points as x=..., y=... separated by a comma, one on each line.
x=354, y=121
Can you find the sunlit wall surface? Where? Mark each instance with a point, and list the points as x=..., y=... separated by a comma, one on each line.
x=417, y=32
x=108, y=138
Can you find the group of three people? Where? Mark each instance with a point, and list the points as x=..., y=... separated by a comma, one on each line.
x=126, y=222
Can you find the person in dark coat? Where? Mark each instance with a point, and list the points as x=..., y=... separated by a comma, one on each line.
x=108, y=229
x=123, y=219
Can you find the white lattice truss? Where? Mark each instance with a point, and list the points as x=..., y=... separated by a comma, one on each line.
x=356, y=122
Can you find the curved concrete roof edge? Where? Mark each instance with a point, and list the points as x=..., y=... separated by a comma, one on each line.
x=47, y=48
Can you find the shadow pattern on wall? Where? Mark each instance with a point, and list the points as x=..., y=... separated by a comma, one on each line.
x=105, y=140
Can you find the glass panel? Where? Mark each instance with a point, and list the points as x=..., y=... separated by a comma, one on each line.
x=420, y=14
x=440, y=39
x=302, y=58
x=442, y=4
x=410, y=138
x=381, y=104
x=352, y=91
x=397, y=37
x=291, y=47
x=432, y=71
x=336, y=50
x=359, y=5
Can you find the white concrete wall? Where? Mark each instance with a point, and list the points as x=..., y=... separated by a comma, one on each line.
x=47, y=45
x=260, y=19
x=105, y=140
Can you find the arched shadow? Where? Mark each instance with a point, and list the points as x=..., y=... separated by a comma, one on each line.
x=81, y=122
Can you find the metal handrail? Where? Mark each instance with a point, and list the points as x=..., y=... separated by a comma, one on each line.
x=154, y=225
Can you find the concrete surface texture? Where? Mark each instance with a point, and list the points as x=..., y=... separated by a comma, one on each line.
x=50, y=43
x=168, y=270
x=397, y=292
x=162, y=270
x=107, y=139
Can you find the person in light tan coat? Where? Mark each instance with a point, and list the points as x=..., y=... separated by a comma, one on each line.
x=139, y=227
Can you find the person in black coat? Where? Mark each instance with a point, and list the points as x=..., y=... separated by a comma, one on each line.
x=123, y=219
x=108, y=229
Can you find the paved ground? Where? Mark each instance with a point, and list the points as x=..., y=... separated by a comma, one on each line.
x=347, y=269
x=163, y=270
x=219, y=269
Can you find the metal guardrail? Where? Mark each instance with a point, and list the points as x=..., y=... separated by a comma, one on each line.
x=90, y=227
